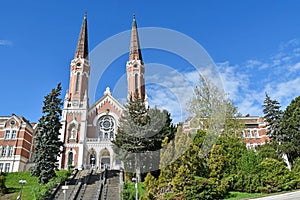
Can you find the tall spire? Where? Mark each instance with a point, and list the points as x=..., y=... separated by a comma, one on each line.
x=135, y=51
x=82, y=50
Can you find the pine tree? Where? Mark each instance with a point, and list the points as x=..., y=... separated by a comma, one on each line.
x=47, y=143
x=290, y=128
x=273, y=115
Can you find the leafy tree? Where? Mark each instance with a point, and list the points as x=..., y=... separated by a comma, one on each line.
x=273, y=115
x=47, y=143
x=213, y=108
x=214, y=112
x=290, y=128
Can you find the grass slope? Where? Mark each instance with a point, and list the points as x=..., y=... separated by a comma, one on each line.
x=32, y=189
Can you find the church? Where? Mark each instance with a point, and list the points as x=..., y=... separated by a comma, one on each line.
x=87, y=130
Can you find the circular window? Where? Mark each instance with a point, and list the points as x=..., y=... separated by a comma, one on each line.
x=12, y=122
x=106, y=127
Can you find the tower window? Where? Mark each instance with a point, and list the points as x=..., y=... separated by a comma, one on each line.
x=70, y=158
x=136, y=80
x=77, y=82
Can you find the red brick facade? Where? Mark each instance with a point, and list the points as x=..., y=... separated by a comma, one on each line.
x=16, y=143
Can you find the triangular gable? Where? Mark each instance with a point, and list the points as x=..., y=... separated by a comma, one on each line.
x=106, y=99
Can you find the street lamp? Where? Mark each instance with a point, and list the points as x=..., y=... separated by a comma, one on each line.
x=22, y=182
x=136, y=188
x=65, y=188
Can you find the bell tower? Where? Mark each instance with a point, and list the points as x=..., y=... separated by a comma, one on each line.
x=79, y=70
x=135, y=66
x=74, y=114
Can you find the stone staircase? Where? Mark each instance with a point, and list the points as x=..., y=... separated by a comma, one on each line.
x=111, y=190
x=72, y=184
x=92, y=185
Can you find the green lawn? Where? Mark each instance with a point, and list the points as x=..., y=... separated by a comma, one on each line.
x=243, y=195
x=32, y=189
x=129, y=189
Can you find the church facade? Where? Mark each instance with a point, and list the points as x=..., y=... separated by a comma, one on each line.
x=87, y=130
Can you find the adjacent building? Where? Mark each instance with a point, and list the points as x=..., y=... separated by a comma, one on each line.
x=16, y=143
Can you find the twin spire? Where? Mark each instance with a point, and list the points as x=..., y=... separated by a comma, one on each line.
x=82, y=50
x=135, y=50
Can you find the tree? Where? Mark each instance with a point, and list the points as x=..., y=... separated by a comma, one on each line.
x=47, y=143
x=140, y=135
x=214, y=112
x=290, y=129
x=273, y=115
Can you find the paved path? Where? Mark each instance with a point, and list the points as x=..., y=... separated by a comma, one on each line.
x=287, y=196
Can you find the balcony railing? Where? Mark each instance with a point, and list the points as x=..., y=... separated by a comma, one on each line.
x=98, y=140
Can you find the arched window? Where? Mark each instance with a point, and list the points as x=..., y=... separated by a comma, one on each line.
x=70, y=158
x=77, y=81
x=136, y=81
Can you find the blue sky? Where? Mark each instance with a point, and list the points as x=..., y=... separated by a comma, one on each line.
x=255, y=45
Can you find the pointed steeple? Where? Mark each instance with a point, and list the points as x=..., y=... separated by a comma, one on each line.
x=82, y=50
x=135, y=51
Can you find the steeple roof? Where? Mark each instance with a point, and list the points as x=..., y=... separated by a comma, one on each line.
x=135, y=51
x=82, y=50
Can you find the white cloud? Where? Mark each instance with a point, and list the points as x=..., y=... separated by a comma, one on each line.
x=245, y=83
x=5, y=43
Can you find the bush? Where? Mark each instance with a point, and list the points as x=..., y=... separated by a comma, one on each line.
x=274, y=175
x=3, y=188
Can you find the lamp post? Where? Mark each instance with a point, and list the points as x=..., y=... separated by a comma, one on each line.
x=22, y=182
x=65, y=188
x=136, y=188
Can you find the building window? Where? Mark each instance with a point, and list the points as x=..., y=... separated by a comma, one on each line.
x=242, y=134
x=106, y=127
x=7, y=167
x=136, y=80
x=256, y=133
x=249, y=133
x=7, y=134
x=3, y=153
x=70, y=158
x=10, y=151
x=14, y=134
x=77, y=82
x=1, y=167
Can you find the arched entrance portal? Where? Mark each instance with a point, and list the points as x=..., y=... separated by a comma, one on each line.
x=105, y=159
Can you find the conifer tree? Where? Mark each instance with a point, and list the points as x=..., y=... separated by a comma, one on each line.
x=140, y=135
x=290, y=128
x=273, y=116
x=47, y=143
